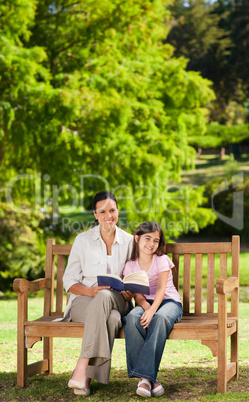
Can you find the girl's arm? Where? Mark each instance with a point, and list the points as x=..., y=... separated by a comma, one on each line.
x=141, y=301
x=160, y=291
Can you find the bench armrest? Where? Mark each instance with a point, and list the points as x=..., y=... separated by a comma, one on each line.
x=21, y=285
x=224, y=286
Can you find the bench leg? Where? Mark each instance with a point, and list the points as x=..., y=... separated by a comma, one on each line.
x=22, y=357
x=22, y=353
x=222, y=344
x=48, y=353
x=235, y=352
x=222, y=368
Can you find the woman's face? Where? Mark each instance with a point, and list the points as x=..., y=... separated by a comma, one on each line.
x=148, y=243
x=106, y=214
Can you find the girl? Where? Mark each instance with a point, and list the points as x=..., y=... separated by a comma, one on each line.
x=104, y=248
x=148, y=325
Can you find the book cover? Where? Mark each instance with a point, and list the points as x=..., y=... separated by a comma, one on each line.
x=136, y=282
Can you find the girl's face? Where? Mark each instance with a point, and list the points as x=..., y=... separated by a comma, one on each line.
x=107, y=214
x=148, y=243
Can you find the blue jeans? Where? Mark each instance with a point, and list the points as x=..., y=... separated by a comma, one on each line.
x=144, y=347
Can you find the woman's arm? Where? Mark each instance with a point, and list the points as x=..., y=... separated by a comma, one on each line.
x=160, y=291
x=81, y=290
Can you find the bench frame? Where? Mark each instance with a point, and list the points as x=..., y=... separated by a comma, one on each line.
x=211, y=328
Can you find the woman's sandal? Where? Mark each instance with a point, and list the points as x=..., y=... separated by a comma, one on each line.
x=76, y=384
x=79, y=387
x=142, y=391
x=84, y=392
x=157, y=391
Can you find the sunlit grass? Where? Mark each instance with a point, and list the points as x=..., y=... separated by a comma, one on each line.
x=188, y=371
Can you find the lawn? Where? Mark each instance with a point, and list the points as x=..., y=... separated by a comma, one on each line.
x=188, y=370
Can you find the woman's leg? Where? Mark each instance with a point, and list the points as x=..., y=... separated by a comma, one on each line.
x=102, y=317
x=99, y=369
x=78, y=314
x=147, y=363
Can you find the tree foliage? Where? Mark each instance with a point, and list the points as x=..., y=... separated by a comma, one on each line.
x=218, y=135
x=88, y=88
x=214, y=37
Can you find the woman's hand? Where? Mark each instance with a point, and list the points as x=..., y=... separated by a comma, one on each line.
x=94, y=290
x=146, y=318
x=127, y=295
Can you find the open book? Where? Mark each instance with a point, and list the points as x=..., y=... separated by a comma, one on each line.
x=136, y=282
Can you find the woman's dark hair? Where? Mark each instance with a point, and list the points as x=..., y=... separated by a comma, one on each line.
x=148, y=227
x=102, y=195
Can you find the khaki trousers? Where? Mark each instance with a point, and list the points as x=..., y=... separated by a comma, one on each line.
x=102, y=318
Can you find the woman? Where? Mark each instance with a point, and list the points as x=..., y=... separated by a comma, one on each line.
x=103, y=249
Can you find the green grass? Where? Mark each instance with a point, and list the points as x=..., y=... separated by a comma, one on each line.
x=188, y=371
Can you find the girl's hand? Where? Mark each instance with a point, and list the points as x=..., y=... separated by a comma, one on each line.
x=146, y=318
x=93, y=291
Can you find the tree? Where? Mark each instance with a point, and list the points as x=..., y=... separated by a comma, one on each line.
x=213, y=35
x=96, y=92
x=196, y=34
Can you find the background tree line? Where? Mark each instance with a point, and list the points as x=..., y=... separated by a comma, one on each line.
x=93, y=89
x=213, y=36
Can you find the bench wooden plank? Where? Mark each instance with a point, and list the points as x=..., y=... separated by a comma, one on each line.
x=60, y=287
x=210, y=282
x=195, y=248
x=37, y=367
x=223, y=265
x=61, y=249
x=186, y=283
x=198, y=283
x=176, y=262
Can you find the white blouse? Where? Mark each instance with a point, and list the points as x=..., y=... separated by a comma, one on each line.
x=88, y=258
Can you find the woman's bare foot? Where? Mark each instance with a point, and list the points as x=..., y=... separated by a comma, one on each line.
x=87, y=383
x=79, y=373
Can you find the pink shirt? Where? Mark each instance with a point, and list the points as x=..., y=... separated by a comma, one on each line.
x=159, y=264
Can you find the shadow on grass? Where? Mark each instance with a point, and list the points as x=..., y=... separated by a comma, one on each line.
x=181, y=384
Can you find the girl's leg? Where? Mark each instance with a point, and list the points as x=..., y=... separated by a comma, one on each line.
x=135, y=336
x=147, y=364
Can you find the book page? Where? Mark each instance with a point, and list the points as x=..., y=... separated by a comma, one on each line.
x=111, y=276
x=137, y=277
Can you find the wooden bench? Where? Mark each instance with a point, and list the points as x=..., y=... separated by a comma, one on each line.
x=212, y=328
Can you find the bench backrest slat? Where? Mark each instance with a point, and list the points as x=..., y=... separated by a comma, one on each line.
x=235, y=272
x=49, y=274
x=210, y=282
x=223, y=265
x=186, y=283
x=60, y=288
x=198, y=283
x=175, y=259
x=182, y=255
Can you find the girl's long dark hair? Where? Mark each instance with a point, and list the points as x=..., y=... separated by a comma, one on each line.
x=148, y=227
x=102, y=195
